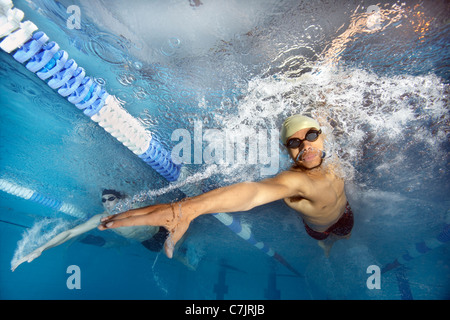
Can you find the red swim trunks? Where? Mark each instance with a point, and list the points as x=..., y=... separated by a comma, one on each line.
x=341, y=228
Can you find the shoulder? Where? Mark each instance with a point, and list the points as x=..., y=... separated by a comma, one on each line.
x=296, y=182
x=292, y=178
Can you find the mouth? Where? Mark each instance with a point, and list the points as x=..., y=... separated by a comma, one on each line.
x=308, y=155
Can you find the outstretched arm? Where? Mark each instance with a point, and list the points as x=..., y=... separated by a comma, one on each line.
x=176, y=217
x=61, y=238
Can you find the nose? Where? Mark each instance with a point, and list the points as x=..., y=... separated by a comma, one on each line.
x=306, y=145
x=302, y=151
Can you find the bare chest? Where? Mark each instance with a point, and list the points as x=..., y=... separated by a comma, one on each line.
x=324, y=204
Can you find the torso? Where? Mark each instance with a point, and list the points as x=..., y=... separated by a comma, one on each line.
x=325, y=202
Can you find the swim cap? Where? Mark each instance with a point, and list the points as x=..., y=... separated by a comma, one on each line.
x=114, y=192
x=295, y=123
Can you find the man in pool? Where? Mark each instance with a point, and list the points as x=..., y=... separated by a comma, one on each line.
x=309, y=187
x=151, y=237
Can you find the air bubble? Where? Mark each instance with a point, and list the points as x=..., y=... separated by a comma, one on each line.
x=137, y=65
x=100, y=81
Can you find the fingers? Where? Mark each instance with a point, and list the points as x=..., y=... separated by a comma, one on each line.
x=125, y=222
x=135, y=212
x=15, y=266
x=169, y=245
x=108, y=221
x=18, y=263
x=158, y=215
x=126, y=214
x=173, y=238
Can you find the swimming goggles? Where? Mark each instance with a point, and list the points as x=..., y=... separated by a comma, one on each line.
x=112, y=198
x=311, y=136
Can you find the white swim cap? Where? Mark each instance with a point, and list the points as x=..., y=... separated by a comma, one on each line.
x=295, y=123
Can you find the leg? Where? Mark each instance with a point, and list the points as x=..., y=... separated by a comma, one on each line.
x=327, y=243
x=340, y=230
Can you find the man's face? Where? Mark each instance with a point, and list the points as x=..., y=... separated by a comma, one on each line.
x=311, y=151
x=109, y=201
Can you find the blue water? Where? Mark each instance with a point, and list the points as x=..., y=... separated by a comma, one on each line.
x=380, y=88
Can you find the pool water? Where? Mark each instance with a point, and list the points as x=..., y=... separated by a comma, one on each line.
x=375, y=75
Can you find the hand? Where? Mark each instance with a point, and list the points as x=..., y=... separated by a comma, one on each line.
x=29, y=257
x=169, y=216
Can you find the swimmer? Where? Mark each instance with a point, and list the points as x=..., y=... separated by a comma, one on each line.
x=309, y=187
x=151, y=237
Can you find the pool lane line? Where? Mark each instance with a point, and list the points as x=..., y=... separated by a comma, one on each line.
x=419, y=248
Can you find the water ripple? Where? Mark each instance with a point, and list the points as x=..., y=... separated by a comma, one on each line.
x=109, y=48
